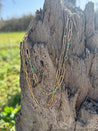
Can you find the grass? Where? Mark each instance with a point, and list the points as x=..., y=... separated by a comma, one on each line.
x=9, y=69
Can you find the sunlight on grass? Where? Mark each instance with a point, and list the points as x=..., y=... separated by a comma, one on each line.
x=9, y=70
x=13, y=37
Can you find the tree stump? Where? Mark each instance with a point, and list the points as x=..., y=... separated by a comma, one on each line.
x=59, y=70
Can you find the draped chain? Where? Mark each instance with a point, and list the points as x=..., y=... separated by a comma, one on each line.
x=60, y=73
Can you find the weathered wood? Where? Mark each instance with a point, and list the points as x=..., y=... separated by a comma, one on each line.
x=42, y=47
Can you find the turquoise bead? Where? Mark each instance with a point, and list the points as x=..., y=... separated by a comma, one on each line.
x=29, y=60
x=68, y=43
x=56, y=87
x=53, y=91
x=50, y=93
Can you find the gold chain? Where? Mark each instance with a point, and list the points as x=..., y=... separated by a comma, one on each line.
x=60, y=71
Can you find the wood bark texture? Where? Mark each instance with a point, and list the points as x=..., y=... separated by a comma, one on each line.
x=75, y=102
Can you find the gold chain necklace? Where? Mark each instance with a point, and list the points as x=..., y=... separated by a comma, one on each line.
x=60, y=71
